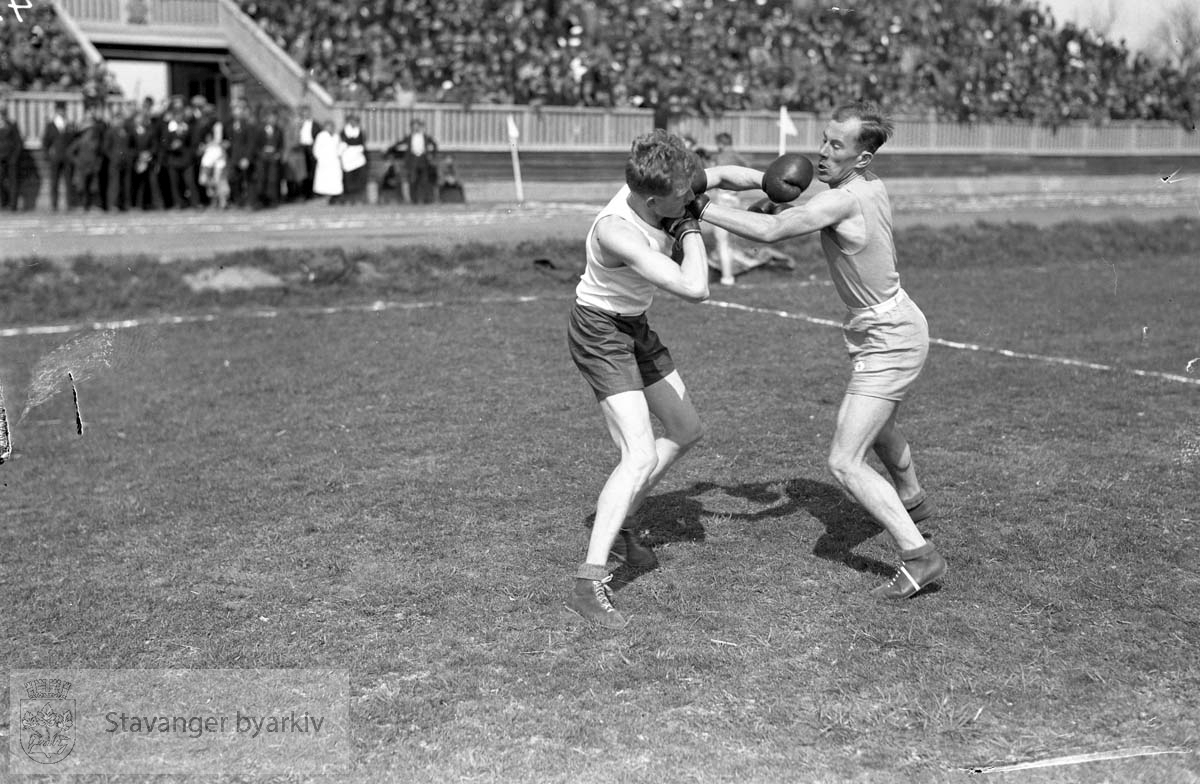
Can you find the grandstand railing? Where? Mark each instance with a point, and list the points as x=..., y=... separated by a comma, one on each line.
x=31, y=112
x=197, y=13
x=484, y=128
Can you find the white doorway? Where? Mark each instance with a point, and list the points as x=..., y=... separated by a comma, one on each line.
x=139, y=79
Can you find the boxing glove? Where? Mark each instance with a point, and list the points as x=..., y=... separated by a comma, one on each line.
x=787, y=177
x=768, y=207
x=680, y=227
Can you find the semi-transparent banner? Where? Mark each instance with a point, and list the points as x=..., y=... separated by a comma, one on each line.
x=178, y=721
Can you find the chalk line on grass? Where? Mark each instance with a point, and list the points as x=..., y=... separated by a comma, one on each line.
x=1004, y=352
x=383, y=305
x=1078, y=759
x=200, y=318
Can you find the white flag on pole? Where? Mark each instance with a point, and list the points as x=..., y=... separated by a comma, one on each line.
x=513, y=132
x=786, y=126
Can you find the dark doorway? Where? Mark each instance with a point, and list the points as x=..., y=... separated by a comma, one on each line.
x=198, y=78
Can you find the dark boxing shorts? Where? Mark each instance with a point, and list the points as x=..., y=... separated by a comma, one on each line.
x=616, y=353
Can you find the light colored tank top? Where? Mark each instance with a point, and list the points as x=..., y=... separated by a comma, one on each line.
x=619, y=290
x=864, y=273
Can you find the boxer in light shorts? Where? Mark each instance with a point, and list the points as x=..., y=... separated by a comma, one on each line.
x=885, y=332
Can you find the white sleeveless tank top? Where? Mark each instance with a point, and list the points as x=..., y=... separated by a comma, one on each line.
x=619, y=290
x=865, y=275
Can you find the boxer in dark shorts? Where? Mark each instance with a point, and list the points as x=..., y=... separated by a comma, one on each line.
x=631, y=250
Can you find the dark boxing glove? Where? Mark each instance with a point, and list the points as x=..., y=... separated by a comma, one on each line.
x=768, y=207
x=787, y=177
x=699, y=180
x=680, y=227
x=697, y=206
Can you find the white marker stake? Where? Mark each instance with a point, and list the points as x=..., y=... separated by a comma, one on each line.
x=513, y=135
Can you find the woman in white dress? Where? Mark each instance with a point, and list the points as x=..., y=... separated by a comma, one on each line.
x=327, y=181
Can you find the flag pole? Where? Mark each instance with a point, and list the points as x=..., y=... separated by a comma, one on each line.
x=513, y=135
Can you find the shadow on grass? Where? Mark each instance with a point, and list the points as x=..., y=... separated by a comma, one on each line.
x=669, y=517
x=675, y=517
x=846, y=524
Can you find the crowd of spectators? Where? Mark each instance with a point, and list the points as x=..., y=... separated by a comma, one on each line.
x=181, y=155
x=186, y=155
x=961, y=60
x=36, y=54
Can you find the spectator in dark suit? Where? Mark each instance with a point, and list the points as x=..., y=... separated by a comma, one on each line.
x=119, y=155
x=11, y=145
x=143, y=139
x=87, y=159
x=306, y=133
x=394, y=182
x=56, y=142
x=241, y=136
x=419, y=151
x=354, y=161
x=269, y=150
x=180, y=158
x=450, y=187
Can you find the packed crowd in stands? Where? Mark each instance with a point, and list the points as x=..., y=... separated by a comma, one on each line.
x=961, y=60
x=36, y=54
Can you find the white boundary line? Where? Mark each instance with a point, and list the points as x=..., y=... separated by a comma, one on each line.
x=1077, y=759
x=382, y=305
x=1004, y=352
x=203, y=318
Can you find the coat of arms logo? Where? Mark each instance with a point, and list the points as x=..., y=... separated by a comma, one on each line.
x=47, y=720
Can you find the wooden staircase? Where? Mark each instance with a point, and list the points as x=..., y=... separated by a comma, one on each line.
x=191, y=25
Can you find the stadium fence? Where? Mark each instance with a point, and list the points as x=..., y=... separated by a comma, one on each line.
x=485, y=128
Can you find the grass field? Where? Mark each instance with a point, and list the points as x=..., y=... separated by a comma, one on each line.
x=402, y=491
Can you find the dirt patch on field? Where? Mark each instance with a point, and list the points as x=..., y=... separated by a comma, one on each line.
x=231, y=279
